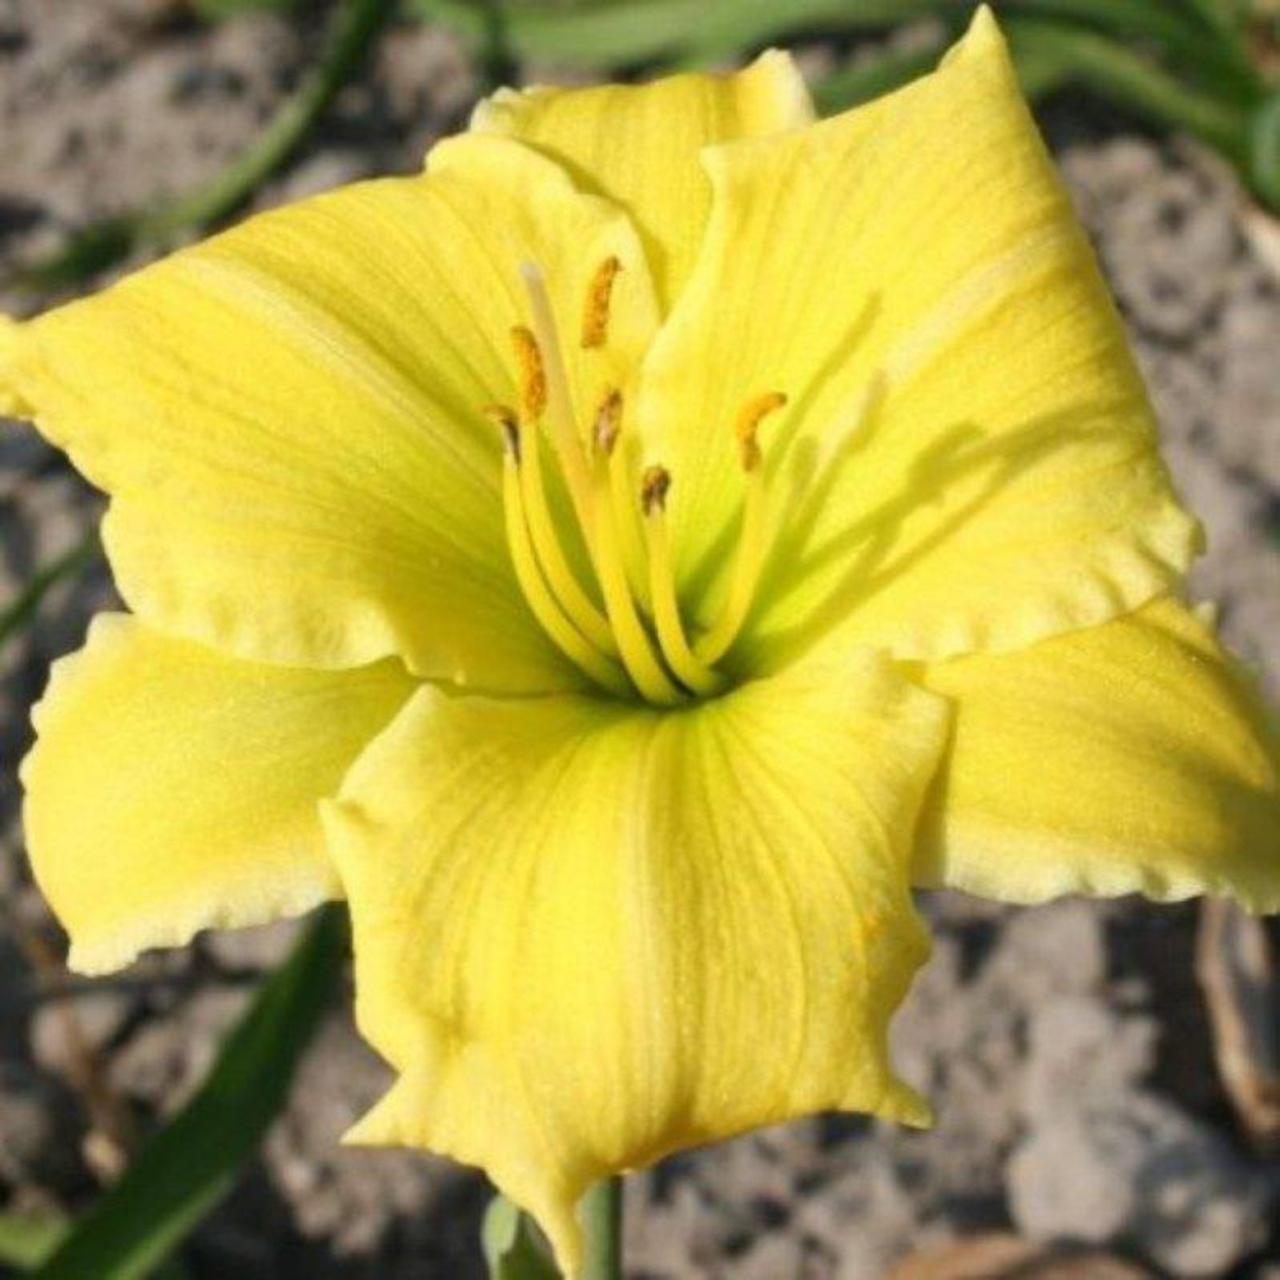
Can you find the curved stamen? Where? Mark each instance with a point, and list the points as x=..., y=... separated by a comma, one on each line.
x=558, y=400
x=543, y=605
x=595, y=313
x=634, y=645
x=688, y=669
x=575, y=602
x=606, y=436
x=712, y=646
x=589, y=487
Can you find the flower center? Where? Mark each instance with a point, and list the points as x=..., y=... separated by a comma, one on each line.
x=624, y=629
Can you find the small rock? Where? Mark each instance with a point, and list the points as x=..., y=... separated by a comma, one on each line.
x=262, y=947
x=1137, y=1170
x=67, y=1031
x=38, y=1130
x=772, y=1257
x=1078, y=1048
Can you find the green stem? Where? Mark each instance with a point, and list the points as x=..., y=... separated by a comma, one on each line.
x=601, y=1214
x=104, y=244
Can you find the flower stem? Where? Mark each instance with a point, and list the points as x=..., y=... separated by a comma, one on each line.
x=602, y=1221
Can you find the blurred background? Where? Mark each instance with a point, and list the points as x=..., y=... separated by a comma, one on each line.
x=1105, y=1075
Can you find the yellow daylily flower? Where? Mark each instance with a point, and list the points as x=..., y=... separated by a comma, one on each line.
x=622, y=559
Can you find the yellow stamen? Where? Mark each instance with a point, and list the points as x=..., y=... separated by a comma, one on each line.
x=634, y=645
x=607, y=436
x=712, y=646
x=575, y=602
x=589, y=488
x=559, y=402
x=688, y=669
x=533, y=377
x=750, y=416
x=608, y=424
x=595, y=314
x=550, y=617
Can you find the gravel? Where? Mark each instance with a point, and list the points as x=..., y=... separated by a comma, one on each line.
x=1064, y=1047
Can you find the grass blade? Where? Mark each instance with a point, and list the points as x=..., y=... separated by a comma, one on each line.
x=27, y=1240
x=18, y=613
x=104, y=244
x=862, y=81
x=193, y=1162
x=611, y=33
x=1131, y=81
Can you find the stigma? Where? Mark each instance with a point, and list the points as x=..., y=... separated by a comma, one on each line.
x=599, y=577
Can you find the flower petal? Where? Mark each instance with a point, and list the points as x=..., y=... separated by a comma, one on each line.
x=289, y=416
x=1131, y=757
x=171, y=789
x=968, y=459
x=640, y=144
x=587, y=934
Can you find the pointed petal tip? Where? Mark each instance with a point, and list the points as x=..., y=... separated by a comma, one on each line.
x=983, y=25
x=903, y=1105
x=982, y=40
x=790, y=89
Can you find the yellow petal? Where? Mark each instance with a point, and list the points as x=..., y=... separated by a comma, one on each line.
x=289, y=416
x=587, y=935
x=1130, y=757
x=640, y=144
x=171, y=789
x=967, y=460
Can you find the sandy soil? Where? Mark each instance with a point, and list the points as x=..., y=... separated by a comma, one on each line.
x=1066, y=1048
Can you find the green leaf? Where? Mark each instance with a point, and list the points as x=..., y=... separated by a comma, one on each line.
x=861, y=81
x=1264, y=152
x=21, y=610
x=26, y=1240
x=194, y=1161
x=353, y=30
x=610, y=33
x=1131, y=81
x=511, y=1249
x=219, y=9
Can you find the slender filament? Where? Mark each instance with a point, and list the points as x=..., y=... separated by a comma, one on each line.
x=607, y=437
x=575, y=646
x=559, y=402
x=575, y=602
x=634, y=645
x=712, y=646
x=684, y=663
